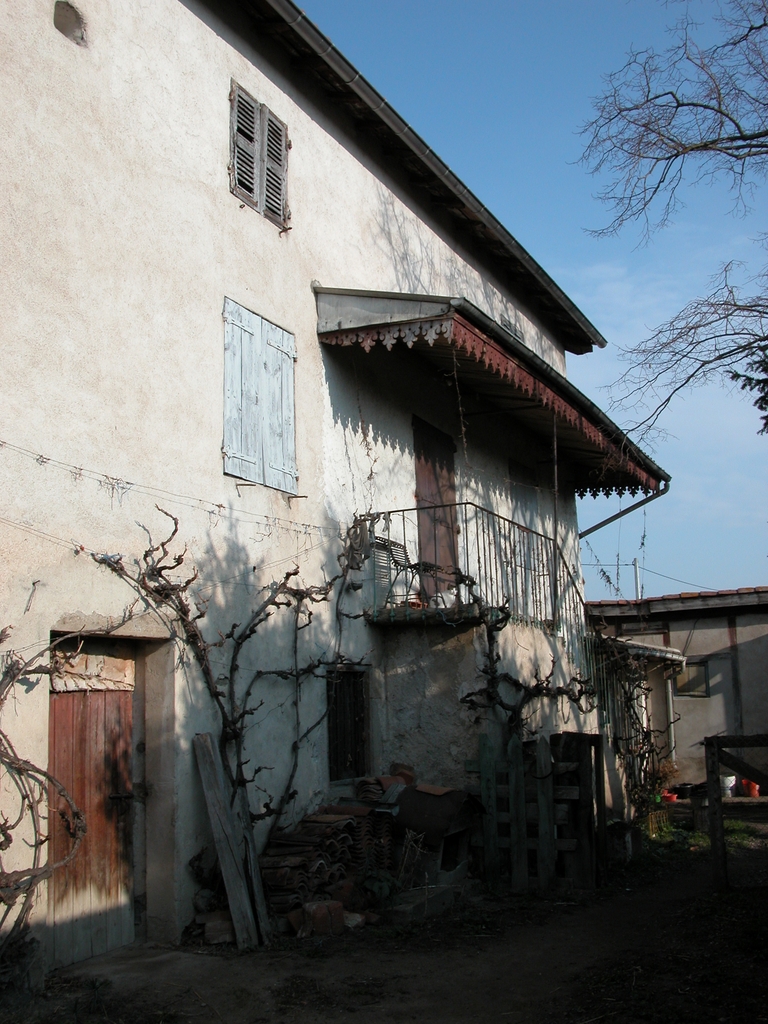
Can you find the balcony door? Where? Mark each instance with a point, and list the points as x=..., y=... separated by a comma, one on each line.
x=436, y=504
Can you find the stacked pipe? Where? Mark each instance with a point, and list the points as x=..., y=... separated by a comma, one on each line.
x=383, y=840
x=308, y=862
x=372, y=846
x=369, y=789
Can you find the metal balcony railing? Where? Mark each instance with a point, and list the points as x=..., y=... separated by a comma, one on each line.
x=461, y=557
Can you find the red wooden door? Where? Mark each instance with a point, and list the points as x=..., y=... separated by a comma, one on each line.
x=436, y=503
x=91, y=898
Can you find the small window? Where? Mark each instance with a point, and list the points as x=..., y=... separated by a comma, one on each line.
x=258, y=156
x=347, y=723
x=693, y=681
x=259, y=433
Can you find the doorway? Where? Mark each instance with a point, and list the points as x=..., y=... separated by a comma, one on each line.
x=436, y=504
x=91, y=752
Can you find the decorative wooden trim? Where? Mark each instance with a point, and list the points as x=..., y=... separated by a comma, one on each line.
x=454, y=331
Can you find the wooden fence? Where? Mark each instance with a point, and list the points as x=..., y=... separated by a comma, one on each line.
x=544, y=811
x=716, y=755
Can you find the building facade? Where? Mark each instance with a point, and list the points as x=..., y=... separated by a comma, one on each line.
x=240, y=292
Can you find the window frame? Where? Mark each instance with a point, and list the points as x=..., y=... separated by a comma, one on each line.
x=268, y=172
x=357, y=678
x=259, y=370
x=694, y=696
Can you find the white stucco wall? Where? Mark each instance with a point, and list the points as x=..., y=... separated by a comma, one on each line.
x=121, y=240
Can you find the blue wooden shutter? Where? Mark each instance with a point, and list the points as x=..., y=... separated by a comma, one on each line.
x=242, y=393
x=279, y=433
x=259, y=431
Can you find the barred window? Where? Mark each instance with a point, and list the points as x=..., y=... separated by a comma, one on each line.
x=347, y=723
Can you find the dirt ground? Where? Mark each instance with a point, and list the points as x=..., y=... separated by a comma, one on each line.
x=655, y=945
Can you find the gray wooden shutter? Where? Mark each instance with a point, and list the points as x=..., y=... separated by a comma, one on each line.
x=274, y=163
x=279, y=433
x=242, y=450
x=259, y=428
x=245, y=130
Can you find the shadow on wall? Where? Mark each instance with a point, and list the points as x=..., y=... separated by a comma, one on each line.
x=420, y=264
x=124, y=745
x=269, y=593
x=370, y=460
x=423, y=266
x=732, y=705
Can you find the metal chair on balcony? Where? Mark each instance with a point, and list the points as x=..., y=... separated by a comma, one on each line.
x=391, y=562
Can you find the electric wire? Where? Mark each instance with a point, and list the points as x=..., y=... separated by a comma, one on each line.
x=118, y=486
x=653, y=572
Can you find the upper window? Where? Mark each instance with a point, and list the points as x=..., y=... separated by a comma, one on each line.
x=258, y=156
x=693, y=681
x=259, y=435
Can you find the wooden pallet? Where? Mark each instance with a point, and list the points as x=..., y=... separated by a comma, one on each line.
x=544, y=797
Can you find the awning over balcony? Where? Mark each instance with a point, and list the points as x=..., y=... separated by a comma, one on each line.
x=492, y=364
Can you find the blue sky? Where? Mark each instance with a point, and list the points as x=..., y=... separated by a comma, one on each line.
x=499, y=89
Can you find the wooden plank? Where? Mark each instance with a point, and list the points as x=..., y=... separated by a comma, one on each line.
x=584, y=874
x=253, y=872
x=600, y=809
x=532, y=814
x=716, y=831
x=756, y=740
x=487, y=759
x=563, y=767
x=563, y=747
x=105, y=855
x=61, y=766
x=561, y=845
x=566, y=792
x=560, y=793
x=565, y=845
x=518, y=834
x=229, y=845
x=84, y=762
x=546, y=853
x=745, y=770
x=127, y=932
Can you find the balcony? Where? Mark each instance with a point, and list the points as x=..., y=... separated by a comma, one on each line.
x=445, y=563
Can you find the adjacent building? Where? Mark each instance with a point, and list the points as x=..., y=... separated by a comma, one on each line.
x=705, y=656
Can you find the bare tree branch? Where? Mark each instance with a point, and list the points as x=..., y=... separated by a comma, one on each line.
x=721, y=337
x=690, y=114
x=692, y=110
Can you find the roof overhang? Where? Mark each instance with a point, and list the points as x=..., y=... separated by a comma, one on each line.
x=316, y=60
x=499, y=371
x=688, y=604
x=651, y=652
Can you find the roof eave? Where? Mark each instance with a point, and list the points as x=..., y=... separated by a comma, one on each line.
x=520, y=351
x=693, y=603
x=577, y=334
